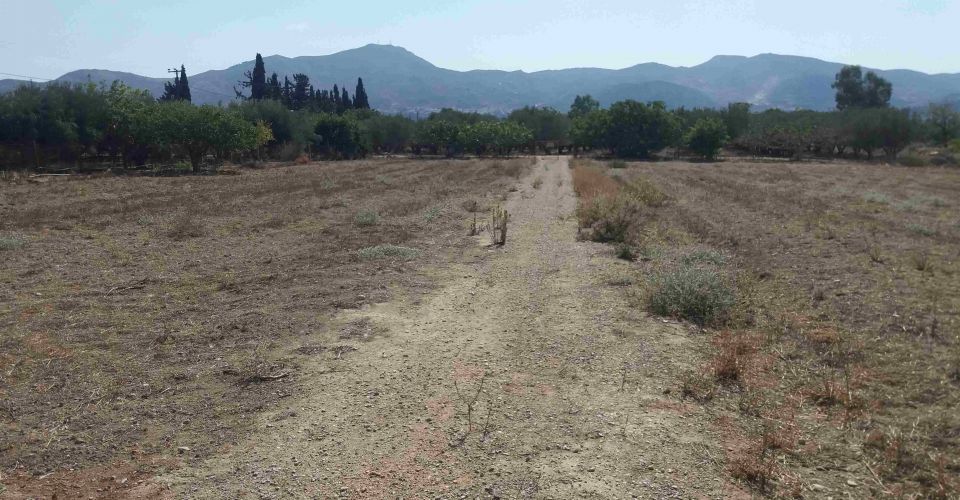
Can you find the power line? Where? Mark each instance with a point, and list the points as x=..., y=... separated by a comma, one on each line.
x=25, y=76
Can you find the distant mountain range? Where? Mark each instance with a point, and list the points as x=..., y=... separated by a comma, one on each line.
x=399, y=81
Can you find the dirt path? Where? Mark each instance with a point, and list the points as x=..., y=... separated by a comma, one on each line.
x=527, y=373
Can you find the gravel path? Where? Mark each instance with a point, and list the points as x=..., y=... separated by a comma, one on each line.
x=527, y=373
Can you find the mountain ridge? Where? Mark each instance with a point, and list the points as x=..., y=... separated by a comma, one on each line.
x=399, y=81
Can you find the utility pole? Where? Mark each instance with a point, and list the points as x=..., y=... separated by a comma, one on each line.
x=175, y=71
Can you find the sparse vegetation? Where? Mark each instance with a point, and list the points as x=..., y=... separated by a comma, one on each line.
x=694, y=293
x=366, y=218
x=7, y=243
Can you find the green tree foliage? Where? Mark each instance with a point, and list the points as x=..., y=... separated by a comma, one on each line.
x=339, y=137
x=856, y=91
x=199, y=130
x=881, y=128
x=547, y=124
x=737, y=118
x=388, y=133
x=360, y=99
x=943, y=122
x=706, y=137
x=637, y=129
x=590, y=131
x=582, y=106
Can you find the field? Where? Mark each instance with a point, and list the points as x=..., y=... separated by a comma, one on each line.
x=144, y=319
x=655, y=329
x=841, y=359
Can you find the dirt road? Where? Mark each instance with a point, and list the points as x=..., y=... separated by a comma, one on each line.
x=528, y=373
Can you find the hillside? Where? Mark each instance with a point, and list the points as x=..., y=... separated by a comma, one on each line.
x=399, y=81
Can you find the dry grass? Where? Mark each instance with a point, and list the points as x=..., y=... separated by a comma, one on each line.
x=145, y=302
x=873, y=354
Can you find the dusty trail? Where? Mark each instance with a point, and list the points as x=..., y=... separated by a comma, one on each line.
x=525, y=374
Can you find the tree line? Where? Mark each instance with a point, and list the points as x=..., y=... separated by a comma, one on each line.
x=61, y=123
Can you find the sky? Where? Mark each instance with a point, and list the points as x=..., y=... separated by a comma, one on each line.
x=46, y=38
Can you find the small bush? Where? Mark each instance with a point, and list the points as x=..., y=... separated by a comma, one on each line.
x=537, y=183
x=366, y=218
x=618, y=164
x=10, y=244
x=696, y=294
x=388, y=251
x=608, y=219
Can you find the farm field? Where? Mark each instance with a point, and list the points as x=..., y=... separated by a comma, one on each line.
x=840, y=362
x=332, y=329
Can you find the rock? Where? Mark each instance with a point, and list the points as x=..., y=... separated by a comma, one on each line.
x=851, y=483
x=818, y=487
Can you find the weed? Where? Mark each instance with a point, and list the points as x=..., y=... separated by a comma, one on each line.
x=697, y=386
x=921, y=261
x=921, y=230
x=875, y=253
x=432, y=213
x=537, y=183
x=366, y=218
x=388, y=251
x=626, y=252
x=697, y=294
x=875, y=197
x=703, y=257
x=10, y=243
x=185, y=226
x=498, y=226
x=646, y=192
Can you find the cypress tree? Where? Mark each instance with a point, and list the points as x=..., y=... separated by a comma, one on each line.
x=345, y=102
x=183, y=86
x=287, y=91
x=360, y=100
x=273, y=88
x=256, y=81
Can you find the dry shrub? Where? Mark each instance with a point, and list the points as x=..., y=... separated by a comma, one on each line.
x=185, y=226
x=302, y=159
x=735, y=352
x=698, y=386
x=610, y=208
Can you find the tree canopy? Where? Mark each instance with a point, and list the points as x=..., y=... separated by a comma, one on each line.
x=854, y=90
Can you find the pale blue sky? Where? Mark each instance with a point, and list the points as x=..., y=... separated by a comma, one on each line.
x=46, y=38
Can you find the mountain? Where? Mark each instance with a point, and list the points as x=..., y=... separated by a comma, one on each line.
x=399, y=81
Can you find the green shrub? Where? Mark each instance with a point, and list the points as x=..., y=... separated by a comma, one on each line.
x=366, y=218
x=697, y=294
x=388, y=251
x=10, y=244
